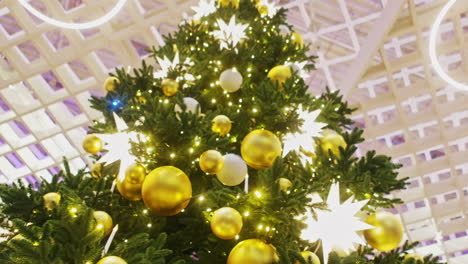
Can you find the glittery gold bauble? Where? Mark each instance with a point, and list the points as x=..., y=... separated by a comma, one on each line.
x=169, y=87
x=262, y=10
x=310, y=257
x=280, y=74
x=103, y=221
x=284, y=184
x=51, y=200
x=252, y=251
x=260, y=148
x=414, y=257
x=96, y=170
x=221, y=124
x=387, y=233
x=167, y=190
x=92, y=144
x=226, y=3
x=109, y=84
x=226, y=223
x=112, y=260
x=332, y=141
x=211, y=161
x=297, y=40
x=130, y=186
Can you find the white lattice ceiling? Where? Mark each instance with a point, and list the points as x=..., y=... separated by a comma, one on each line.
x=374, y=51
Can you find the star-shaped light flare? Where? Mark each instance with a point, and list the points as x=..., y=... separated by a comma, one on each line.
x=336, y=227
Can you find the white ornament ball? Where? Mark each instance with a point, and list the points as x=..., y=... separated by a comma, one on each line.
x=230, y=80
x=191, y=104
x=234, y=170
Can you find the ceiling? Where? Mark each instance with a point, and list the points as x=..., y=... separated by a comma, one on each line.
x=376, y=56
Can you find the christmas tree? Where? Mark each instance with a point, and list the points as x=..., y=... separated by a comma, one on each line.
x=217, y=153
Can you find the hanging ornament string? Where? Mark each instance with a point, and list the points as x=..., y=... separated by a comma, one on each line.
x=433, y=48
x=109, y=241
x=94, y=23
x=246, y=184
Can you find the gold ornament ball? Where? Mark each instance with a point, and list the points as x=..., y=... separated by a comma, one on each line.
x=415, y=257
x=297, y=40
x=130, y=186
x=332, y=141
x=260, y=148
x=96, y=170
x=252, y=251
x=211, y=161
x=51, y=200
x=388, y=231
x=262, y=10
x=310, y=257
x=103, y=221
x=280, y=74
x=226, y=223
x=169, y=87
x=109, y=84
x=92, y=144
x=284, y=184
x=221, y=124
x=112, y=260
x=166, y=191
x=226, y=3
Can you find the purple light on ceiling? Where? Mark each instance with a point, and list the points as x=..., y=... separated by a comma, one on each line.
x=38, y=151
x=14, y=160
x=72, y=106
x=35, y=184
x=70, y=4
x=140, y=47
x=10, y=24
x=52, y=80
x=20, y=129
x=4, y=106
x=54, y=170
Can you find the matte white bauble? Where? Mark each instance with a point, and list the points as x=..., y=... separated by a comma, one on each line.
x=230, y=80
x=191, y=104
x=234, y=170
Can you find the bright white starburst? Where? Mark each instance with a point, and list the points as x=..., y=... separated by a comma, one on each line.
x=230, y=34
x=119, y=145
x=304, y=139
x=166, y=65
x=299, y=67
x=204, y=9
x=336, y=227
x=271, y=7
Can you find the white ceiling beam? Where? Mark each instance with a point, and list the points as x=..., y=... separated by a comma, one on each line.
x=373, y=42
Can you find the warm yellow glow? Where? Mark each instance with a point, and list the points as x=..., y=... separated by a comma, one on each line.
x=246, y=214
x=201, y=198
x=100, y=226
x=258, y=194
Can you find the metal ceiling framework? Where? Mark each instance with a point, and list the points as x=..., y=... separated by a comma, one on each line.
x=374, y=51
